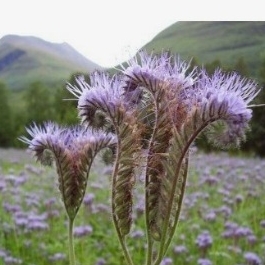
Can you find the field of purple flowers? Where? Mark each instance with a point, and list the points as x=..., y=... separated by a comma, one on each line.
x=222, y=220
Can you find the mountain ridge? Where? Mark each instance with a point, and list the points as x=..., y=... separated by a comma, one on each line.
x=25, y=59
x=207, y=41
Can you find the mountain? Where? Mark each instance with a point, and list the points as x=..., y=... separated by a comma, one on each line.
x=25, y=59
x=207, y=41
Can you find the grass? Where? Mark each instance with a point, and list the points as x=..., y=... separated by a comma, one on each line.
x=33, y=223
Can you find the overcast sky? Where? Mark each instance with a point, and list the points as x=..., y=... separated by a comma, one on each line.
x=110, y=31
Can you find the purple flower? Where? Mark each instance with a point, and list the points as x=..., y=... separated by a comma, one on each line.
x=242, y=231
x=37, y=222
x=137, y=234
x=230, y=225
x=204, y=262
x=21, y=221
x=73, y=150
x=2, y=185
x=105, y=93
x=2, y=253
x=204, y=240
x=11, y=208
x=210, y=216
x=88, y=199
x=233, y=230
x=11, y=260
x=211, y=180
x=139, y=208
x=57, y=256
x=80, y=231
x=157, y=72
x=252, y=239
x=252, y=258
x=180, y=249
x=101, y=261
x=37, y=225
x=225, y=210
x=73, y=143
x=221, y=97
x=226, y=97
x=167, y=261
x=50, y=201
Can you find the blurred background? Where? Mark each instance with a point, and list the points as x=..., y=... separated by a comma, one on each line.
x=35, y=66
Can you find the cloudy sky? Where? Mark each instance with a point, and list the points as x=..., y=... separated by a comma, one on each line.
x=110, y=31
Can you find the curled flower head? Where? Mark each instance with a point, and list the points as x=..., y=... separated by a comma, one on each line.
x=41, y=139
x=73, y=150
x=156, y=72
x=101, y=99
x=76, y=140
x=220, y=97
x=225, y=98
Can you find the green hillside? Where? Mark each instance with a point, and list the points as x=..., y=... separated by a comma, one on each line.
x=206, y=41
x=24, y=60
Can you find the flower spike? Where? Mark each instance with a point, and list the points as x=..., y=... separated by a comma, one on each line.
x=225, y=98
x=73, y=150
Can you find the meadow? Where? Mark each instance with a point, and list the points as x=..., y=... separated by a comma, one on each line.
x=222, y=220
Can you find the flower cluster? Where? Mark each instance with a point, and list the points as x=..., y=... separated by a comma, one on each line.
x=73, y=150
x=156, y=106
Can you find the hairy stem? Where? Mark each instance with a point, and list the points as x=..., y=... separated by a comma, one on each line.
x=172, y=232
x=71, y=243
x=149, y=252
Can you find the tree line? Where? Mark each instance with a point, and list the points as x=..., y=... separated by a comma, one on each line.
x=39, y=103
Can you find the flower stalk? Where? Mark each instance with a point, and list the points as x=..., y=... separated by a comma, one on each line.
x=71, y=242
x=73, y=151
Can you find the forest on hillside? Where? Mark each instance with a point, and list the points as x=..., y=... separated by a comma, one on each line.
x=39, y=102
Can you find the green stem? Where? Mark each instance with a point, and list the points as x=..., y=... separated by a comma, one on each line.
x=71, y=243
x=172, y=232
x=149, y=250
x=125, y=250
